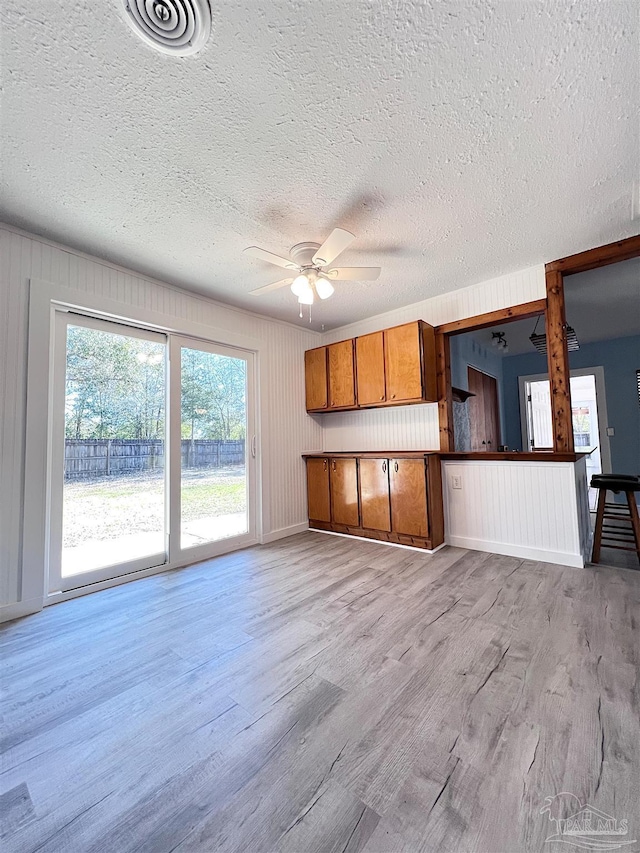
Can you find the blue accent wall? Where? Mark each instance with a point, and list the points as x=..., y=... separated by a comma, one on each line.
x=620, y=358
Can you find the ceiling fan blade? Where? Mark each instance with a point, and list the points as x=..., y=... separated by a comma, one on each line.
x=268, y=287
x=354, y=273
x=270, y=258
x=335, y=243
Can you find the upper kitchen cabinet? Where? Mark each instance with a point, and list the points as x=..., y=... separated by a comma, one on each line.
x=392, y=367
x=315, y=379
x=370, y=381
x=342, y=385
x=410, y=363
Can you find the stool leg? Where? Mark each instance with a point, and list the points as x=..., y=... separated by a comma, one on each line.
x=635, y=519
x=597, y=533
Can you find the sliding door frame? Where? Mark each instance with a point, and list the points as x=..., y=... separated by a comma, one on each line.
x=45, y=299
x=63, y=318
x=210, y=549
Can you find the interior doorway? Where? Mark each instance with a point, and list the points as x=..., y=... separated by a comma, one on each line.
x=589, y=418
x=484, y=411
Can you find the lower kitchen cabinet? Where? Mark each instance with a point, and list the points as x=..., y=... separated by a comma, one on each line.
x=343, y=477
x=394, y=499
x=375, y=506
x=408, y=491
x=318, y=494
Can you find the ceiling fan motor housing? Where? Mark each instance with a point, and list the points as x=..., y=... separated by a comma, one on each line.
x=302, y=254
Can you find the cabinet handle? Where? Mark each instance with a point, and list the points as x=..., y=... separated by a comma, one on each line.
x=334, y=464
x=395, y=466
x=384, y=467
x=393, y=396
x=382, y=398
x=325, y=464
x=333, y=403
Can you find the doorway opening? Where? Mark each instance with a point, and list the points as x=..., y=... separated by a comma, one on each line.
x=589, y=418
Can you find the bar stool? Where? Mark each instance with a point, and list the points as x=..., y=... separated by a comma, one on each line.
x=606, y=532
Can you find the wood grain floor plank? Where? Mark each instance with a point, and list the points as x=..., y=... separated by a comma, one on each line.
x=323, y=694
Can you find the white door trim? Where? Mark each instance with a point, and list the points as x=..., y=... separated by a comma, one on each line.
x=44, y=299
x=603, y=419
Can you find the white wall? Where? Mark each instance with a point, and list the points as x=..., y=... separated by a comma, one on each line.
x=534, y=510
x=286, y=430
x=416, y=427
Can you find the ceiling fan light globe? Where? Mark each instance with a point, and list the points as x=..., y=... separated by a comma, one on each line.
x=324, y=288
x=299, y=285
x=305, y=297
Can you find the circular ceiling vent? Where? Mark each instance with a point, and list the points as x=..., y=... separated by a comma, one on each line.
x=172, y=26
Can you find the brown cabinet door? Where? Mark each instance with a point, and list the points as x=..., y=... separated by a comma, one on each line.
x=342, y=389
x=370, y=369
x=318, y=490
x=344, y=492
x=375, y=509
x=409, y=497
x=315, y=378
x=403, y=362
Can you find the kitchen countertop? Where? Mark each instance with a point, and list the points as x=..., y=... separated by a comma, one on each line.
x=508, y=456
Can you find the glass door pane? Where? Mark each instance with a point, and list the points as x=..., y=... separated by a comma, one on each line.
x=113, y=468
x=214, y=493
x=539, y=423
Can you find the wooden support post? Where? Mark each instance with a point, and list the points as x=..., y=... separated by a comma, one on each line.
x=558, y=360
x=443, y=385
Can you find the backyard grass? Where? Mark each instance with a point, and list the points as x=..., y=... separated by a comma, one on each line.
x=110, y=507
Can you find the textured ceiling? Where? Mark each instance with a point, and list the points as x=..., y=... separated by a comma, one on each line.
x=458, y=140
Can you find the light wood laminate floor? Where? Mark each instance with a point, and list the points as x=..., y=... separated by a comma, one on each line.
x=323, y=694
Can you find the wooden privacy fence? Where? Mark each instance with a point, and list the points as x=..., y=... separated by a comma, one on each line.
x=116, y=456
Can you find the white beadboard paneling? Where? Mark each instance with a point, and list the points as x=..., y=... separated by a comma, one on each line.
x=416, y=427
x=524, y=509
x=394, y=428
x=503, y=292
x=286, y=430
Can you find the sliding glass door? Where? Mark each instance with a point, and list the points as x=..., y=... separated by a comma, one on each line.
x=152, y=451
x=217, y=445
x=108, y=493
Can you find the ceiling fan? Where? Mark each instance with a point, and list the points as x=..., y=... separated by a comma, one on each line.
x=311, y=270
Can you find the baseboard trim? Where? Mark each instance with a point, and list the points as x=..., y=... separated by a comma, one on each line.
x=9, y=612
x=378, y=541
x=562, y=558
x=284, y=532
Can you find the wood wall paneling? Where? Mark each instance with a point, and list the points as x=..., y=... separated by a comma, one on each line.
x=429, y=363
x=558, y=364
x=445, y=400
x=601, y=256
